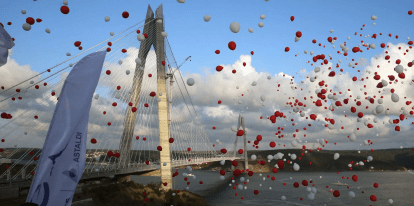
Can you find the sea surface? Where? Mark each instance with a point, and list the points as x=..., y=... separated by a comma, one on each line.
x=398, y=186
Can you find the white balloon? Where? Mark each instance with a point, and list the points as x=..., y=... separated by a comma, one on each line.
x=317, y=69
x=65, y=2
x=47, y=31
x=164, y=34
x=138, y=61
x=253, y=157
x=261, y=24
x=222, y=162
x=283, y=198
x=128, y=72
x=262, y=98
x=331, y=31
x=269, y=77
x=269, y=157
x=373, y=17
x=262, y=16
x=395, y=97
x=390, y=201
x=107, y=18
x=234, y=128
x=222, y=178
x=336, y=156
x=369, y=158
x=111, y=33
x=120, y=62
x=379, y=109
x=314, y=190
x=207, y=18
x=372, y=46
x=254, y=83
x=27, y=27
x=297, y=39
x=251, y=30
x=311, y=196
x=141, y=37
x=68, y=54
x=190, y=82
x=311, y=52
x=293, y=156
x=296, y=167
x=352, y=137
x=181, y=1
x=366, y=142
x=23, y=11
x=159, y=21
x=235, y=27
x=399, y=69
x=97, y=96
x=351, y=194
x=294, y=143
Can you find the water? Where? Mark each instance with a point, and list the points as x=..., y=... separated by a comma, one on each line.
x=398, y=186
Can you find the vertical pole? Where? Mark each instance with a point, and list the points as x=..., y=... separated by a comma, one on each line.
x=246, y=166
x=165, y=155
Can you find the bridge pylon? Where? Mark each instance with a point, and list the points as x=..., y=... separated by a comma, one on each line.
x=153, y=28
x=241, y=124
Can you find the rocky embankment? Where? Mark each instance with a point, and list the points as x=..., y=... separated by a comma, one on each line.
x=131, y=193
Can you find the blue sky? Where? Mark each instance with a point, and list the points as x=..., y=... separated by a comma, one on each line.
x=190, y=35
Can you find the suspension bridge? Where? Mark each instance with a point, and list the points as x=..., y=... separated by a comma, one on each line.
x=140, y=104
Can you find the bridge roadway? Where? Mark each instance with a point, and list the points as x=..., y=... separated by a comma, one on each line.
x=98, y=171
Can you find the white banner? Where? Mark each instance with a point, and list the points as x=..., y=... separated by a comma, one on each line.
x=62, y=160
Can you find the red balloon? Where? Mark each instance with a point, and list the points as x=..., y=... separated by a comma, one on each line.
x=272, y=144
x=299, y=34
x=64, y=10
x=287, y=49
x=292, y=18
x=296, y=185
x=354, y=178
x=232, y=45
x=171, y=140
x=236, y=172
x=410, y=12
x=240, y=151
x=376, y=185
x=305, y=183
x=78, y=43
x=256, y=192
x=336, y=193
x=159, y=148
x=240, y=133
x=373, y=198
x=281, y=164
x=219, y=68
x=252, y=52
x=93, y=141
x=217, y=51
x=30, y=20
x=125, y=14
x=224, y=151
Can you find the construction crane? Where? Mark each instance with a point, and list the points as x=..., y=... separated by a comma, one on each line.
x=170, y=75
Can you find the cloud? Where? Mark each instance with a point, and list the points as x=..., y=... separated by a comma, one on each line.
x=194, y=116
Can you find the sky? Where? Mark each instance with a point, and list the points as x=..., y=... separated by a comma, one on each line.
x=190, y=35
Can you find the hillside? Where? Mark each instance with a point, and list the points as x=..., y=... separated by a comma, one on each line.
x=392, y=159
